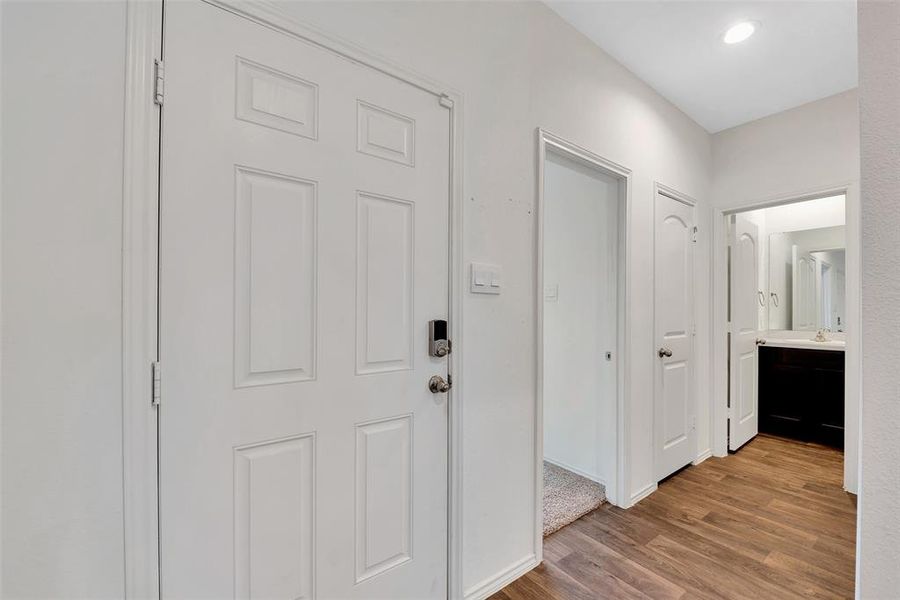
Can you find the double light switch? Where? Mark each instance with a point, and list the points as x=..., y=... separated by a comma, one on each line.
x=485, y=279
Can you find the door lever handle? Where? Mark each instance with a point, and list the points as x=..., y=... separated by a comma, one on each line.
x=664, y=353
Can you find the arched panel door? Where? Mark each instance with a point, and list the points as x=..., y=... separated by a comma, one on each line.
x=744, y=413
x=674, y=406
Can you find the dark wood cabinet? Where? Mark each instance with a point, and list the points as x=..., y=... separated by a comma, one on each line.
x=801, y=394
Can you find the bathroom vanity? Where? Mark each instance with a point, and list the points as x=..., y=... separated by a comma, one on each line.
x=801, y=390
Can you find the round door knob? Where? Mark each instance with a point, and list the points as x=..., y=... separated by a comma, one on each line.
x=437, y=385
x=664, y=353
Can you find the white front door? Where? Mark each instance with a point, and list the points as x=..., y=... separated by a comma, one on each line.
x=743, y=414
x=674, y=429
x=303, y=250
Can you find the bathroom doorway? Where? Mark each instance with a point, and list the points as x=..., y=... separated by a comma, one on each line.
x=790, y=318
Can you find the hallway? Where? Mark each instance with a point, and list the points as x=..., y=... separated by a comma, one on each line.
x=770, y=521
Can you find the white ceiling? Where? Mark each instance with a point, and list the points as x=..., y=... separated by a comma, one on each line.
x=803, y=51
x=801, y=216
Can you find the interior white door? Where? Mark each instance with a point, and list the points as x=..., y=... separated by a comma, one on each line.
x=303, y=249
x=804, y=289
x=743, y=415
x=674, y=406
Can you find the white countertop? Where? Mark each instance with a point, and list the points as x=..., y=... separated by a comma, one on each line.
x=804, y=343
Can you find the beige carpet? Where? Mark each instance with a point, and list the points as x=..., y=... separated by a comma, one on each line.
x=567, y=496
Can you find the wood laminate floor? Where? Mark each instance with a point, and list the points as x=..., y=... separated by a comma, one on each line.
x=768, y=522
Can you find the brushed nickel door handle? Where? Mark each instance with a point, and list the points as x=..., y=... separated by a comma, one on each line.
x=437, y=385
x=664, y=353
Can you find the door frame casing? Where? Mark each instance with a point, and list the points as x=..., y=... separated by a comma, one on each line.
x=853, y=352
x=140, y=238
x=669, y=192
x=549, y=142
x=140, y=243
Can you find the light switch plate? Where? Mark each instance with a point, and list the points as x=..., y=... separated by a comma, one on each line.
x=485, y=278
x=551, y=293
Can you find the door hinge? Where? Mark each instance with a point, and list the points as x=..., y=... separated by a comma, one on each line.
x=694, y=234
x=159, y=81
x=156, y=384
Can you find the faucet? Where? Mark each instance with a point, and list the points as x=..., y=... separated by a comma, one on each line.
x=820, y=335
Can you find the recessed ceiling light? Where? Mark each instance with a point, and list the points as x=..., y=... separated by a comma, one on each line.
x=740, y=32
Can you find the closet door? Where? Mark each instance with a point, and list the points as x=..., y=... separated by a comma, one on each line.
x=674, y=410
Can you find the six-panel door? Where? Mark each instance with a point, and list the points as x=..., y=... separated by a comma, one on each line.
x=303, y=250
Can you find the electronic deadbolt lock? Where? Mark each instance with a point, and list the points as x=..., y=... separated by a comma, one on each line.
x=438, y=343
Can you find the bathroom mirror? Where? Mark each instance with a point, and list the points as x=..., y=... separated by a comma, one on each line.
x=806, y=280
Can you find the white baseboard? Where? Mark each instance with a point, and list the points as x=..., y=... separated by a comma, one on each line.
x=702, y=456
x=495, y=583
x=643, y=493
x=586, y=475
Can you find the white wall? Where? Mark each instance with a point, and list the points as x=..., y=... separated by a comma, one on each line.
x=580, y=317
x=809, y=149
x=63, y=66
x=826, y=238
x=878, y=548
x=521, y=67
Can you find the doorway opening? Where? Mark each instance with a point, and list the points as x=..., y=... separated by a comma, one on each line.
x=789, y=312
x=582, y=204
x=788, y=317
